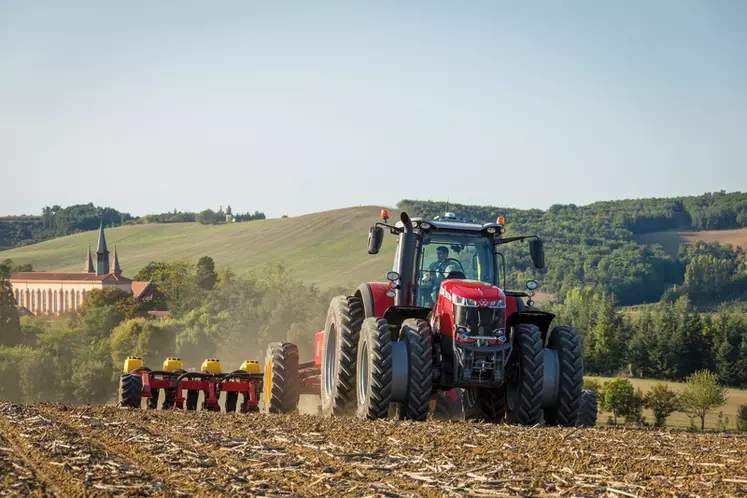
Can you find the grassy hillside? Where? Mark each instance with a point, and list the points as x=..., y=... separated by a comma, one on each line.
x=327, y=248
x=735, y=397
x=671, y=240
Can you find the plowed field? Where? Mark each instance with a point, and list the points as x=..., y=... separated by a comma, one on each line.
x=65, y=450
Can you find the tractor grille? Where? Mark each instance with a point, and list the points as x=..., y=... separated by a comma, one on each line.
x=480, y=321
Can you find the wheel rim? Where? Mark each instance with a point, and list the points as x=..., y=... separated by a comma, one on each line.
x=363, y=373
x=330, y=365
x=268, y=382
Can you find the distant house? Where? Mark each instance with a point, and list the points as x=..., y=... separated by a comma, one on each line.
x=53, y=293
x=162, y=316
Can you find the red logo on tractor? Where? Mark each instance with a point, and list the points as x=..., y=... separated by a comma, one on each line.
x=483, y=303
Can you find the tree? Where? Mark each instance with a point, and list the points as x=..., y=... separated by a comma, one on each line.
x=153, y=271
x=205, y=273
x=663, y=402
x=98, y=298
x=742, y=418
x=10, y=325
x=702, y=394
x=622, y=400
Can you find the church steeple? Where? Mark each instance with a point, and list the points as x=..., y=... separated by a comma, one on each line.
x=89, y=262
x=117, y=269
x=102, y=253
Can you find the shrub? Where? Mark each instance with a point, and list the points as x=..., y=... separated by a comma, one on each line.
x=663, y=402
x=702, y=394
x=622, y=400
x=742, y=418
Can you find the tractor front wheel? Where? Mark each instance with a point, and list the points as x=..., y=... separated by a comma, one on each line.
x=374, y=369
x=566, y=344
x=339, y=355
x=524, y=389
x=418, y=338
x=130, y=390
x=281, y=382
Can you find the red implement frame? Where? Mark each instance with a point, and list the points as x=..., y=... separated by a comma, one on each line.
x=210, y=384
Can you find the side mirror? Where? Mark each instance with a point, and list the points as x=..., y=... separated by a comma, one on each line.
x=537, y=251
x=375, y=238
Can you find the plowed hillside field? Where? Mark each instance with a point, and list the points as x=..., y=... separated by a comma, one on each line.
x=65, y=450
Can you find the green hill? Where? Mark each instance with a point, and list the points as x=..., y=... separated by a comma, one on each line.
x=326, y=249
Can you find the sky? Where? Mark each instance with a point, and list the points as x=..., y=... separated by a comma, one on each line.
x=298, y=107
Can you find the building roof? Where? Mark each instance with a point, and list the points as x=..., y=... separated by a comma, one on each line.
x=71, y=277
x=138, y=288
x=102, y=240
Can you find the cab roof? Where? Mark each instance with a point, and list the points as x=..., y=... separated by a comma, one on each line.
x=452, y=223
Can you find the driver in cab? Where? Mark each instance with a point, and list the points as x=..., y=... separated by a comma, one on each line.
x=436, y=273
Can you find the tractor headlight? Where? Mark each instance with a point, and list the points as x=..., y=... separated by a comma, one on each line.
x=463, y=301
x=497, y=304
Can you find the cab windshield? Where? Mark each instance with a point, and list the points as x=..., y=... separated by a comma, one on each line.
x=453, y=256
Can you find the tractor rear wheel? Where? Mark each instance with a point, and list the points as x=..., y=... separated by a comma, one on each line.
x=488, y=405
x=446, y=408
x=567, y=345
x=281, y=382
x=524, y=390
x=374, y=369
x=587, y=411
x=130, y=390
x=339, y=354
x=192, y=397
x=417, y=335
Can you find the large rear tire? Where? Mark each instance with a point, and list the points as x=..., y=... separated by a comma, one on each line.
x=587, y=411
x=567, y=343
x=374, y=369
x=418, y=337
x=524, y=391
x=281, y=382
x=130, y=390
x=339, y=355
x=488, y=405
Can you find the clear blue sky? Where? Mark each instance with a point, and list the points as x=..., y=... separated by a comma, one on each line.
x=297, y=107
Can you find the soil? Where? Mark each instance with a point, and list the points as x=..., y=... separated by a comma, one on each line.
x=92, y=450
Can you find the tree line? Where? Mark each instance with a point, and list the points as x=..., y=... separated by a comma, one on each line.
x=662, y=341
x=56, y=221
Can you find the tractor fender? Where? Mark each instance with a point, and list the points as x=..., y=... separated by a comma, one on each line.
x=374, y=298
x=541, y=319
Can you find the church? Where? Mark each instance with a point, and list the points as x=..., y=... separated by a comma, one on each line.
x=52, y=293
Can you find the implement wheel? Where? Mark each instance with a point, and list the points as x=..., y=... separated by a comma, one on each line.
x=281, y=383
x=418, y=338
x=488, y=405
x=130, y=390
x=566, y=345
x=192, y=397
x=339, y=355
x=524, y=391
x=587, y=411
x=374, y=372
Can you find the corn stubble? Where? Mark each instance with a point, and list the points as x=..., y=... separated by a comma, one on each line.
x=68, y=450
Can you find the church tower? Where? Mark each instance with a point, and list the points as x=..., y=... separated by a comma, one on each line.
x=102, y=253
x=89, y=262
x=117, y=269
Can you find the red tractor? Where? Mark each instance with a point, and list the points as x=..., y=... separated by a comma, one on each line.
x=443, y=329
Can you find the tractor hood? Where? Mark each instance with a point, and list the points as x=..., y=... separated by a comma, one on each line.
x=482, y=293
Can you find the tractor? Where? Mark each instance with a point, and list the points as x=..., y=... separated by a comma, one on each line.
x=441, y=335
